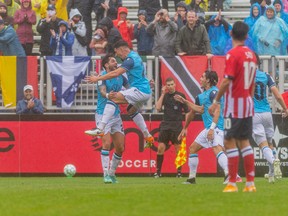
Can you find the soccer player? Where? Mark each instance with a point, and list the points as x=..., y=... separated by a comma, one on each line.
x=263, y=129
x=114, y=128
x=136, y=96
x=238, y=87
x=171, y=124
x=212, y=136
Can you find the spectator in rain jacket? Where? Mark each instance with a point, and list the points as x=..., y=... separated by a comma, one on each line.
x=25, y=18
x=144, y=40
x=279, y=8
x=78, y=29
x=8, y=20
x=255, y=13
x=269, y=34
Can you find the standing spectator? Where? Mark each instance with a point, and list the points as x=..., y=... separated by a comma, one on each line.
x=8, y=20
x=103, y=8
x=238, y=87
x=60, y=5
x=269, y=34
x=144, y=40
x=113, y=8
x=263, y=4
x=165, y=4
x=218, y=31
x=280, y=10
x=124, y=26
x=44, y=26
x=193, y=38
x=62, y=42
x=171, y=124
x=180, y=15
x=164, y=31
x=9, y=42
x=29, y=104
x=12, y=7
x=25, y=18
x=113, y=35
x=99, y=7
x=255, y=13
x=197, y=6
x=216, y=5
x=78, y=28
x=99, y=42
x=36, y=6
x=151, y=7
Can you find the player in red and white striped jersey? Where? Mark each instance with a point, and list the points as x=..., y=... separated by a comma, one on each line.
x=238, y=87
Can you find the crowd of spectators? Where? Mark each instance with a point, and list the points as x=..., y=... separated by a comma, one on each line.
x=65, y=27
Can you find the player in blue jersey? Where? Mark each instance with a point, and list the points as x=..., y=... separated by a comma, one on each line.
x=212, y=136
x=136, y=96
x=263, y=128
x=114, y=128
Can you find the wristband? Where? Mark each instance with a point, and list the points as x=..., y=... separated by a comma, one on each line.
x=107, y=95
x=213, y=126
x=216, y=102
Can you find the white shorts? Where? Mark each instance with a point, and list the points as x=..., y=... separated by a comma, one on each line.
x=202, y=140
x=113, y=126
x=135, y=97
x=263, y=128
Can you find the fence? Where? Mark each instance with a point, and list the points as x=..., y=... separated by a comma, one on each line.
x=86, y=97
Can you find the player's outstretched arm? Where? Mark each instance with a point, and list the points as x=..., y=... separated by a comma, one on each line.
x=110, y=75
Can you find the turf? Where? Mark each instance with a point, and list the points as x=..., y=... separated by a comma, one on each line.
x=137, y=196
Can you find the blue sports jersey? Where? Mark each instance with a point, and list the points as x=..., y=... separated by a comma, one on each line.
x=262, y=81
x=206, y=99
x=115, y=85
x=136, y=72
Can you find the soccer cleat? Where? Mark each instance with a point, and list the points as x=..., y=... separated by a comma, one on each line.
x=95, y=132
x=238, y=179
x=230, y=188
x=251, y=188
x=179, y=175
x=271, y=179
x=190, y=181
x=149, y=141
x=113, y=179
x=107, y=179
x=277, y=169
x=226, y=179
x=157, y=175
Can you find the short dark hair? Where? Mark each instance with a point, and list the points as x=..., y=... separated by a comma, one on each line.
x=106, y=59
x=212, y=76
x=120, y=43
x=239, y=31
x=169, y=79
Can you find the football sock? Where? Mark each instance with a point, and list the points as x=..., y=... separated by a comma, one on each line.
x=193, y=164
x=248, y=158
x=116, y=159
x=108, y=112
x=139, y=121
x=274, y=153
x=233, y=161
x=223, y=161
x=160, y=159
x=268, y=154
x=179, y=170
x=105, y=161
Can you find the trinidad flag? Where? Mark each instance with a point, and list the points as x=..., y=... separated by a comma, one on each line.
x=187, y=70
x=15, y=73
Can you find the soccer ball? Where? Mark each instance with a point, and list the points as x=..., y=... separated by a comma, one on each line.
x=69, y=170
x=266, y=176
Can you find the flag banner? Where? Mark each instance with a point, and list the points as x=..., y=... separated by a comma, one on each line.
x=66, y=74
x=181, y=155
x=15, y=73
x=218, y=65
x=186, y=71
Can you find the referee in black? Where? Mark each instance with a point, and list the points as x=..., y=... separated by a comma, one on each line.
x=171, y=124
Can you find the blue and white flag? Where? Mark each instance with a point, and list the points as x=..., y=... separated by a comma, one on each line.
x=66, y=74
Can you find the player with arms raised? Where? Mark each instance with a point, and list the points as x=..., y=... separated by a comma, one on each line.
x=238, y=87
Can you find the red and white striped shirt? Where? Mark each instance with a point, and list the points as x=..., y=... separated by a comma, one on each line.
x=240, y=68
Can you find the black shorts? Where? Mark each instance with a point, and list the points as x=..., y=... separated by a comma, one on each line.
x=238, y=128
x=166, y=136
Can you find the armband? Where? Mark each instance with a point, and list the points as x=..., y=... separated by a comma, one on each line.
x=107, y=95
x=213, y=126
x=216, y=102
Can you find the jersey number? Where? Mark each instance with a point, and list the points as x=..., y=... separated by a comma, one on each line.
x=249, y=72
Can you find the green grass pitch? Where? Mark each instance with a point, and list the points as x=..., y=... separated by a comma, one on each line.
x=137, y=196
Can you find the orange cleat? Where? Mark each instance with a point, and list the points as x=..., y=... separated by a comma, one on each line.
x=249, y=189
x=230, y=188
x=149, y=141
